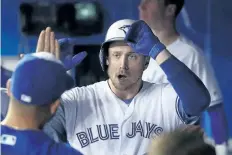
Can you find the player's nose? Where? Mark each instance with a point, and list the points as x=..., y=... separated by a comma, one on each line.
x=124, y=63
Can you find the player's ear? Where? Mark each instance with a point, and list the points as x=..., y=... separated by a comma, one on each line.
x=147, y=60
x=54, y=106
x=8, y=86
x=107, y=61
x=170, y=10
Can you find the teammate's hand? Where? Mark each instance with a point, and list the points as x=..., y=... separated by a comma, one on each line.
x=62, y=49
x=193, y=128
x=48, y=43
x=72, y=61
x=66, y=53
x=142, y=40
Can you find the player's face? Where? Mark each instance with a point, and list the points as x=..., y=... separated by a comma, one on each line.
x=152, y=11
x=125, y=67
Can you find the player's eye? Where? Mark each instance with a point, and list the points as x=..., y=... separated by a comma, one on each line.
x=116, y=55
x=132, y=56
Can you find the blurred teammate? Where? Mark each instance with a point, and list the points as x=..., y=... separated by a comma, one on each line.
x=35, y=89
x=180, y=142
x=161, y=16
x=122, y=114
x=66, y=56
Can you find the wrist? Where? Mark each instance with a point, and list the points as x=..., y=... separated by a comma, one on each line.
x=162, y=57
x=156, y=49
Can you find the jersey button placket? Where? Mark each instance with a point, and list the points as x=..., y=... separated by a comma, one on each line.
x=127, y=115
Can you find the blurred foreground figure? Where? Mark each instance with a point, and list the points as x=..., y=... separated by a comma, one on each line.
x=181, y=142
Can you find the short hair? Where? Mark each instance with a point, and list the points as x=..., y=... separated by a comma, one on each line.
x=179, y=5
x=181, y=143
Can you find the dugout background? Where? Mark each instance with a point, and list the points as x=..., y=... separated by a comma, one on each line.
x=207, y=22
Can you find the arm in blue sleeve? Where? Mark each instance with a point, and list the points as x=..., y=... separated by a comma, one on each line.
x=55, y=128
x=194, y=96
x=218, y=123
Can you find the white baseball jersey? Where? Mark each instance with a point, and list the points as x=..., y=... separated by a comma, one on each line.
x=98, y=122
x=193, y=58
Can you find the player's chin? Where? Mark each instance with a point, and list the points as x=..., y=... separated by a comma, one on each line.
x=121, y=87
x=143, y=17
x=121, y=84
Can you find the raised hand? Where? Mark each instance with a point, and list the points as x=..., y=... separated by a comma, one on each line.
x=142, y=40
x=48, y=43
x=66, y=53
x=62, y=49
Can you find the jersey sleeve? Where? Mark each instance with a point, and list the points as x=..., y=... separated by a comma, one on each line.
x=203, y=69
x=55, y=128
x=60, y=124
x=173, y=110
x=185, y=118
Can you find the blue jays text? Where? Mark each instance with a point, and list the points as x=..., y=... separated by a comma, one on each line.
x=111, y=132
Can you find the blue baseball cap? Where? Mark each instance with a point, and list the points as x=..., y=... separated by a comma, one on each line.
x=39, y=79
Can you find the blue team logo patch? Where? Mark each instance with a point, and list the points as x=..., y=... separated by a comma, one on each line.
x=8, y=139
x=125, y=28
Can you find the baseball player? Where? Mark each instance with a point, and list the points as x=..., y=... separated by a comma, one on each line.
x=122, y=114
x=69, y=61
x=161, y=16
x=35, y=88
